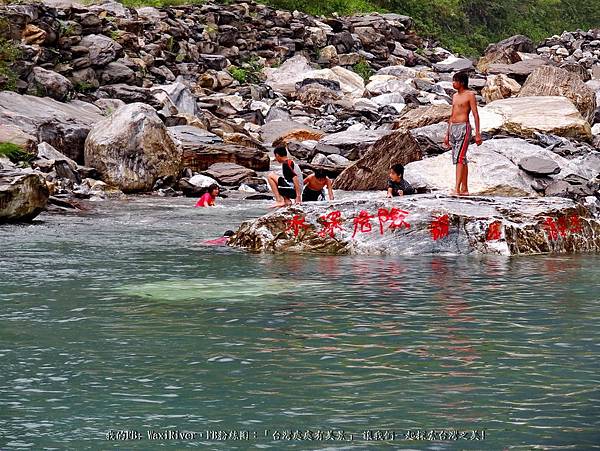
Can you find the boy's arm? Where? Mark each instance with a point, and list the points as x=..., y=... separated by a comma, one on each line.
x=475, y=112
x=390, y=193
x=329, y=189
x=447, y=138
x=297, y=188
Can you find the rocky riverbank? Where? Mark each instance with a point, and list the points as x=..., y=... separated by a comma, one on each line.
x=107, y=99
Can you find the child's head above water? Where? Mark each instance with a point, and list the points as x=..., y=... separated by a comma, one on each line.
x=460, y=79
x=320, y=174
x=396, y=172
x=213, y=190
x=280, y=153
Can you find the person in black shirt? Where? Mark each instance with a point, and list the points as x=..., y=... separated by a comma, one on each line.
x=290, y=185
x=397, y=186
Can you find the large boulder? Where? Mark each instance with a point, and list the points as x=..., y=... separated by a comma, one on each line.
x=493, y=168
x=420, y=117
x=229, y=174
x=63, y=125
x=553, y=81
x=202, y=149
x=523, y=116
x=505, y=52
x=274, y=131
x=23, y=195
x=353, y=143
x=371, y=172
x=132, y=149
x=519, y=70
x=499, y=87
x=426, y=225
x=284, y=78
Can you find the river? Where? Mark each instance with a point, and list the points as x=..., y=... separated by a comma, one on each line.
x=120, y=319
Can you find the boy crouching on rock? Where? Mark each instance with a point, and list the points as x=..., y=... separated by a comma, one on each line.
x=397, y=186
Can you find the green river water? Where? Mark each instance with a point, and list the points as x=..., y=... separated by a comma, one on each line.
x=120, y=319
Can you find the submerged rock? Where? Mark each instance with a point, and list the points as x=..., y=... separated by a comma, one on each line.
x=426, y=224
x=23, y=195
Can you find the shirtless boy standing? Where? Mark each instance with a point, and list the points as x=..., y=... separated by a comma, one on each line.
x=459, y=129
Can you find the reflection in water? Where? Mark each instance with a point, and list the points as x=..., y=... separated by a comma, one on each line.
x=121, y=320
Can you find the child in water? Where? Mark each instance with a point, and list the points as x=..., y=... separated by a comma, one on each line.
x=208, y=198
x=397, y=186
x=222, y=241
x=314, y=185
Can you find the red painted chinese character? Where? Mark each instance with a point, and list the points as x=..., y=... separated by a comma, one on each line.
x=331, y=222
x=574, y=223
x=395, y=215
x=363, y=220
x=439, y=227
x=551, y=228
x=494, y=231
x=295, y=224
x=562, y=226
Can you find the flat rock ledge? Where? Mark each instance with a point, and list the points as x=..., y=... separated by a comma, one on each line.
x=427, y=224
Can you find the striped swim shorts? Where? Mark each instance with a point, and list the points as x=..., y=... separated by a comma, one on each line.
x=460, y=135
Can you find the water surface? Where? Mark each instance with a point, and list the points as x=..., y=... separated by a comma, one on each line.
x=121, y=319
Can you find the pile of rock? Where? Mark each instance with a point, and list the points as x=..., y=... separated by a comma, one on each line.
x=115, y=99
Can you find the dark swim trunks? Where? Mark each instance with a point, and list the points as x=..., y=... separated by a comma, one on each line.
x=310, y=195
x=285, y=189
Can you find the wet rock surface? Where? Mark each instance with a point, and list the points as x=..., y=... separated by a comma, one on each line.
x=427, y=224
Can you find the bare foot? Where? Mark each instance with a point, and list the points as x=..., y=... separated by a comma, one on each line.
x=453, y=192
x=463, y=193
x=278, y=204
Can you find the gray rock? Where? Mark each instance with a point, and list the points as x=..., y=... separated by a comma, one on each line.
x=132, y=149
x=115, y=73
x=539, y=167
x=482, y=225
x=63, y=125
x=49, y=83
x=353, y=144
x=371, y=171
x=109, y=106
x=23, y=195
x=453, y=64
x=229, y=174
x=190, y=137
x=102, y=49
x=176, y=95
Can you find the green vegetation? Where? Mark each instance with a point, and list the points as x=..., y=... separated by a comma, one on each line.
x=249, y=72
x=83, y=87
x=464, y=26
x=363, y=69
x=9, y=53
x=15, y=153
x=468, y=26
x=160, y=3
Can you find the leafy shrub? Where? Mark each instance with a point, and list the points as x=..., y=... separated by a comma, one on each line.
x=15, y=153
x=363, y=69
x=9, y=53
